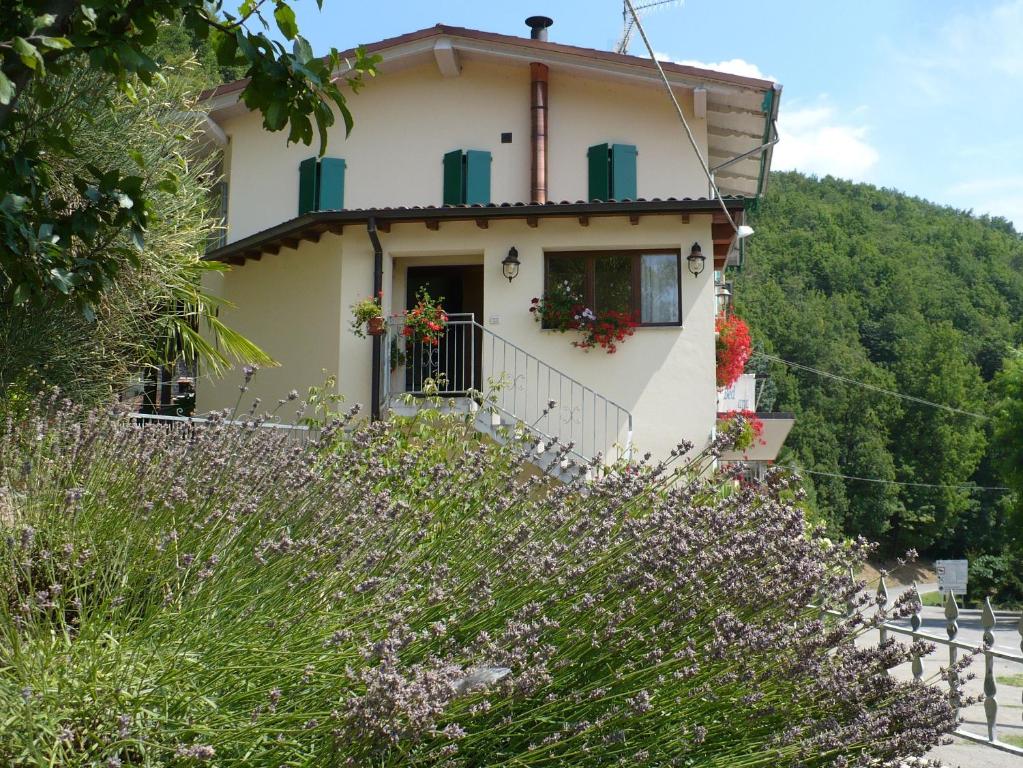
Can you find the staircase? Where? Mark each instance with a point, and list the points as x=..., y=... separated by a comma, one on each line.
x=512, y=395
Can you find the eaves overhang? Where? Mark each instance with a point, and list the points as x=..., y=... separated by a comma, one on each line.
x=312, y=226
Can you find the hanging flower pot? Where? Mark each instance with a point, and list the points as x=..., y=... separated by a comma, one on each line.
x=368, y=317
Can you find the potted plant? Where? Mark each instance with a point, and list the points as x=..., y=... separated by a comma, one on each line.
x=733, y=348
x=559, y=309
x=426, y=321
x=606, y=330
x=366, y=314
x=752, y=428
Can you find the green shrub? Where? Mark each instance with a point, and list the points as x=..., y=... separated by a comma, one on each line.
x=998, y=577
x=406, y=594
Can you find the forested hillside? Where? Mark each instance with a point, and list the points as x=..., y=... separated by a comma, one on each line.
x=904, y=295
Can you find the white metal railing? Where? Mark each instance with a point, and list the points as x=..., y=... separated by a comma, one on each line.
x=988, y=620
x=472, y=361
x=299, y=433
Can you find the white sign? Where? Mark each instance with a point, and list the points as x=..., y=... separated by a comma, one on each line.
x=952, y=575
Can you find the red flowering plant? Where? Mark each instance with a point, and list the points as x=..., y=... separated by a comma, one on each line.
x=560, y=309
x=751, y=431
x=426, y=321
x=606, y=330
x=733, y=348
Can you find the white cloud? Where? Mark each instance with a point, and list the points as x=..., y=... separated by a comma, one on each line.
x=977, y=51
x=731, y=66
x=819, y=140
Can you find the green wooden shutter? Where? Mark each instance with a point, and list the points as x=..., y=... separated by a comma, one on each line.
x=600, y=176
x=331, y=186
x=454, y=178
x=477, y=177
x=623, y=172
x=307, y=183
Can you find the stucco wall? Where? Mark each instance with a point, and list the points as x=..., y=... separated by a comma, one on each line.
x=406, y=120
x=289, y=303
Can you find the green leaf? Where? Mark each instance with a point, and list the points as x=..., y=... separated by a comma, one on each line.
x=135, y=155
x=303, y=51
x=44, y=21
x=6, y=89
x=62, y=280
x=226, y=48
x=248, y=50
x=276, y=116
x=138, y=239
x=21, y=294
x=27, y=52
x=285, y=17
x=168, y=185
x=89, y=13
x=58, y=43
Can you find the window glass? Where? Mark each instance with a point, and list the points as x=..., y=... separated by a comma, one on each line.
x=607, y=281
x=659, y=288
x=567, y=274
x=612, y=283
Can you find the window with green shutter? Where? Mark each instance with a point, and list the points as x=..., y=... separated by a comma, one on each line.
x=321, y=185
x=612, y=171
x=467, y=177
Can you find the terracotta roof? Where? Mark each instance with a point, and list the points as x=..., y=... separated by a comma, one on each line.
x=311, y=226
x=538, y=45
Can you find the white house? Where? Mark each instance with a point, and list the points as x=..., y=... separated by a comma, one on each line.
x=472, y=149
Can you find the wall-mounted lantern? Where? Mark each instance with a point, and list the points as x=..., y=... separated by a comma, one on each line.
x=510, y=264
x=696, y=259
x=723, y=293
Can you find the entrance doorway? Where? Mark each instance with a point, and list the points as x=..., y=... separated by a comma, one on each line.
x=456, y=363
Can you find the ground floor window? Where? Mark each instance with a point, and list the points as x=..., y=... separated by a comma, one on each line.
x=645, y=284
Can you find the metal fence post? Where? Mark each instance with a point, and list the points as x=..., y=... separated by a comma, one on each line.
x=987, y=620
x=914, y=622
x=882, y=604
x=952, y=628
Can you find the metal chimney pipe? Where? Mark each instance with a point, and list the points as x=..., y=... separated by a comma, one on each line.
x=538, y=132
x=538, y=26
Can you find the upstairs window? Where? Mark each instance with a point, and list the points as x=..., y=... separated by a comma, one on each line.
x=645, y=284
x=218, y=201
x=467, y=177
x=321, y=185
x=612, y=171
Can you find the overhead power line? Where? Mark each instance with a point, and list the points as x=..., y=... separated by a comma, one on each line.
x=881, y=390
x=896, y=482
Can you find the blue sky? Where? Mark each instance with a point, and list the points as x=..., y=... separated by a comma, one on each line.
x=920, y=96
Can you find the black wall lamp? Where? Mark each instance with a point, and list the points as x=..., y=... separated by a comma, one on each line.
x=696, y=259
x=510, y=264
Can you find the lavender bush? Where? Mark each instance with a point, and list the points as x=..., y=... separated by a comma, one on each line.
x=404, y=594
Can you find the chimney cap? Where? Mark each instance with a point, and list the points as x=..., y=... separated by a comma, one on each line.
x=538, y=26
